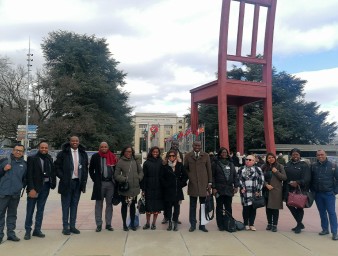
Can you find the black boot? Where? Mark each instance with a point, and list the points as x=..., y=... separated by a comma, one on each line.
x=175, y=226
x=170, y=226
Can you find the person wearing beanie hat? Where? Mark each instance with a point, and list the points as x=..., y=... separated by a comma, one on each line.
x=298, y=174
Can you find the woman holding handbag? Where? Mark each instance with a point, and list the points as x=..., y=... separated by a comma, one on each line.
x=298, y=176
x=128, y=173
x=251, y=180
x=274, y=175
x=225, y=184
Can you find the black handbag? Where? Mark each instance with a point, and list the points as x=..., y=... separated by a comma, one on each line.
x=141, y=205
x=310, y=199
x=209, y=207
x=116, y=200
x=124, y=186
x=229, y=223
x=116, y=197
x=258, y=202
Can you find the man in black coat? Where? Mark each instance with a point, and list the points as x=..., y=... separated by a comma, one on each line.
x=101, y=171
x=40, y=179
x=72, y=169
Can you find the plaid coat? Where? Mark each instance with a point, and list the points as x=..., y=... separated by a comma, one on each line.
x=252, y=180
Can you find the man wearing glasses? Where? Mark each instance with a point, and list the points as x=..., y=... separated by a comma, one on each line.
x=12, y=180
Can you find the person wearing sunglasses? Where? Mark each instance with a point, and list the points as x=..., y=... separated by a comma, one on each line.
x=174, y=146
x=173, y=179
x=12, y=179
x=251, y=180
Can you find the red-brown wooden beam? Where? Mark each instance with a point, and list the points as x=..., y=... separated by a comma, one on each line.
x=240, y=129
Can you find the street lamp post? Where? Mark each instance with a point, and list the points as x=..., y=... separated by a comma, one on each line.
x=29, y=59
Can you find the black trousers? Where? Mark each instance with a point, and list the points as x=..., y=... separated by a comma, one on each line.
x=169, y=210
x=272, y=216
x=297, y=213
x=249, y=215
x=192, y=209
x=222, y=202
x=132, y=210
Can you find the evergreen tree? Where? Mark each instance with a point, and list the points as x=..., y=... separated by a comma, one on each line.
x=85, y=86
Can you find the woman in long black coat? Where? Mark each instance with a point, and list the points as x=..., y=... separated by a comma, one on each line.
x=151, y=187
x=225, y=184
x=173, y=179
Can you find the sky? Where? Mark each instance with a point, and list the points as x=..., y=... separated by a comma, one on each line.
x=168, y=47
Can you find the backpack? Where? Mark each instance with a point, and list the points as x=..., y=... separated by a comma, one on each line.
x=229, y=223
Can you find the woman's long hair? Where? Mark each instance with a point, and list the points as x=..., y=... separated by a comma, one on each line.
x=150, y=153
x=267, y=164
x=219, y=153
x=124, y=150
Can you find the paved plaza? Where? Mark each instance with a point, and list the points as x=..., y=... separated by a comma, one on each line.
x=162, y=242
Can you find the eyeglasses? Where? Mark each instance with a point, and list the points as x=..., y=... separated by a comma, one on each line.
x=249, y=160
x=172, y=156
x=18, y=150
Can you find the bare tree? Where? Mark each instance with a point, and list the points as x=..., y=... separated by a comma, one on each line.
x=13, y=99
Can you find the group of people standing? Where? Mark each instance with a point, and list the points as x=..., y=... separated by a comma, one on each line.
x=274, y=181
x=161, y=181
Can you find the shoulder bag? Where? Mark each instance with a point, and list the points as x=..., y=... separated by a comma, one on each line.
x=297, y=199
x=124, y=186
x=209, y=207
x=258, y=201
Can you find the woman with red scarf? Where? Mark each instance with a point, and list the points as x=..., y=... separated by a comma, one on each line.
x=101, y=171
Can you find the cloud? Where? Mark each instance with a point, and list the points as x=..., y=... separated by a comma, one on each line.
x=321, y=87
x=168, y=47
x=304, y=26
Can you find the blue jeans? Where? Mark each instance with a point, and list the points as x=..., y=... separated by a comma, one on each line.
x=9, y=205
x=40, y=203
x=326, y=204
x=69, y=205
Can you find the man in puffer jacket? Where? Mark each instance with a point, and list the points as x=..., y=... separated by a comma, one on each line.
x=324, y=183
x=12, y=180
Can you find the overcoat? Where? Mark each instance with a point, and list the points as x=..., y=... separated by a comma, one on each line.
x=274, y=196
x=64, y=168
x=35, y=176
x=151, y=184
x=131, y=170
x=199, y=173
x=96, y=176
x=173, y=182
